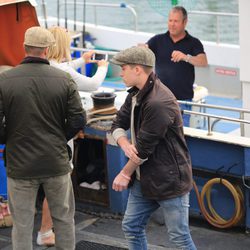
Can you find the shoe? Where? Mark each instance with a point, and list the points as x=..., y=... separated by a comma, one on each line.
x=46, y=239
x=5, y=216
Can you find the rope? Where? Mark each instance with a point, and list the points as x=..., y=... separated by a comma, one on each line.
x=211, y=215
x=100, y=118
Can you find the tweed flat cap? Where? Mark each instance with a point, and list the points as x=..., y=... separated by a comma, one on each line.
x=135, y=55
x=38, y=37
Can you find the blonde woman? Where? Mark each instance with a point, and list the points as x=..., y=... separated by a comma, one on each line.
x=59, y=56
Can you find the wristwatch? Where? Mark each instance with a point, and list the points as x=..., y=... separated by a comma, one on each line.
x=188, y=58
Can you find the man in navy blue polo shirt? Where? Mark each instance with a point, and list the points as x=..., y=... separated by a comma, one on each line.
x=177, y=52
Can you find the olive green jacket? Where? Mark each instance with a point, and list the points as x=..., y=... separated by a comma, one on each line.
x=42, y=110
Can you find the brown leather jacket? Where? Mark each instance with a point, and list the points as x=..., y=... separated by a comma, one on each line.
x=159, y=137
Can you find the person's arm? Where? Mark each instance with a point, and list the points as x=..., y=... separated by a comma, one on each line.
x=83, y=82
x=122, y=180
x=195, y=55
x=199, y=60
x=79, y=62
x=2, y=124
x=75, y=64
x=76, y=115
x=122, y=119
x=128, y=148
x=119, y=127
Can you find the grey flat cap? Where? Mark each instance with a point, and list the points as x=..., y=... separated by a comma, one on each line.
x=38, y=37
x=135, y=55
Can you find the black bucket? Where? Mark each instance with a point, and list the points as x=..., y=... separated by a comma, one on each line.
x=103, y=99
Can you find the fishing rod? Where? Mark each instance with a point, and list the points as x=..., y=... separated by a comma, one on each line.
x=58, y=13
x=45, y=14
x=74, y=15
x=66, y=14
x=83, y=27
x=75, y=53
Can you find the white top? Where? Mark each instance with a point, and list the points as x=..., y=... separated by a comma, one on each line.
x=83, y=82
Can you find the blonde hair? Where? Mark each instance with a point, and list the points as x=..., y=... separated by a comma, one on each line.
x=61, y=50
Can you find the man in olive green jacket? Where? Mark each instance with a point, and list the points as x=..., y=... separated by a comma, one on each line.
x=40, y=109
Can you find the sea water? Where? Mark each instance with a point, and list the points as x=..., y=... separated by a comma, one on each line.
x=152, y=16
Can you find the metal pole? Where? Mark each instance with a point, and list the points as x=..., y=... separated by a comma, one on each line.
x=209, y=126
x=242, y=132
x=74, y=15
x=58, y=12
x=95, y=15
x=66, y=17
x=45, y=14
x=217, y=30
x=84, y=20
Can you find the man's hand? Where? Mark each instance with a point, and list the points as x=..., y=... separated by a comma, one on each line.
x=178, y=56
x=121, y=182
x=79, y=135
x=131, y=152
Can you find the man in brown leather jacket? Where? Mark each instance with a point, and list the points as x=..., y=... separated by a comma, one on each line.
x=42, y=109
x=159, y=163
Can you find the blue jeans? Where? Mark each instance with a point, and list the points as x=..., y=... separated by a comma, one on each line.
x=186, y=117
x=138, y=213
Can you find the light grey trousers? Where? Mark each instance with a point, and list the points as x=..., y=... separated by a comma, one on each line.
x=22, y=199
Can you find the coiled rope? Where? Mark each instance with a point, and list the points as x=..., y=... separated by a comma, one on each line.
x=211, y=215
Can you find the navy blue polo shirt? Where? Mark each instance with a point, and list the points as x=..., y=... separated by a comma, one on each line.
x=178, y=77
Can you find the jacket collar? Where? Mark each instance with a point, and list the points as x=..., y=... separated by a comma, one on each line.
x=31, y=59
x=144, y=91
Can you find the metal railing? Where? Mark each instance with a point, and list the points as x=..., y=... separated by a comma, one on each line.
x=217, y=15
x=108, y=52
x=217, y=118
x=98, y=5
